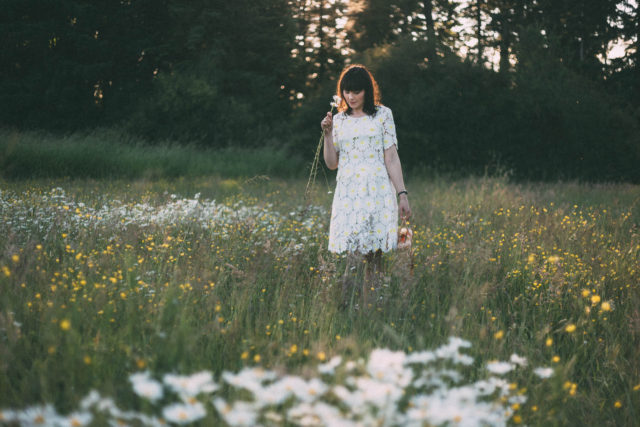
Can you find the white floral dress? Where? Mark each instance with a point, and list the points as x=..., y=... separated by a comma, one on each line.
x=364, y=212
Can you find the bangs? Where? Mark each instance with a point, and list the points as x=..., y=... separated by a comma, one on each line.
x=354, y=82
x=356, y=78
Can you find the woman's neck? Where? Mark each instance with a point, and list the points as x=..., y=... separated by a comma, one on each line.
x=357, y=113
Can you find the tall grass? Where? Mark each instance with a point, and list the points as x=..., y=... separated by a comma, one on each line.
x=108, y=153
x=512, y=268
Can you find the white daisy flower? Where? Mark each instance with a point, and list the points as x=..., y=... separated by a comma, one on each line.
x=515, y=359
x=543, y=372
x=191, y=385
x=75, y=419
x=330, y=366
x=499, y=367
x=145, y=386
x=181, y=413
x=38, y=415
x=238, y=414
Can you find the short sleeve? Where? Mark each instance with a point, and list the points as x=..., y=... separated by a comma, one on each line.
x=334, y=132
x=388, y=129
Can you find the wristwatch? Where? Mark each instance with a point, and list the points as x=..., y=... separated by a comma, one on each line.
x=402, y=192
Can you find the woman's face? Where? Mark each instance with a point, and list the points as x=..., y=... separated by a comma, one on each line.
x=355, y=99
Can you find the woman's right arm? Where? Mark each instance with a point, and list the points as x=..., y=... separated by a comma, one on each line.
x=329, y=151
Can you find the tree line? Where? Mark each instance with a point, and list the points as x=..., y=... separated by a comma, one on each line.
x=519, y=85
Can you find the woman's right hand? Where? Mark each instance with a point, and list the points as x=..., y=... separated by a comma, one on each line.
x=327, y=122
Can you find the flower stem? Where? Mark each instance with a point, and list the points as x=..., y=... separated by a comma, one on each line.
x=314, y=167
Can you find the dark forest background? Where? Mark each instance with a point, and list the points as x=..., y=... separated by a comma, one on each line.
x=261, y=73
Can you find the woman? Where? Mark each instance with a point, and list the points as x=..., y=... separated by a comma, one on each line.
x=361, y=142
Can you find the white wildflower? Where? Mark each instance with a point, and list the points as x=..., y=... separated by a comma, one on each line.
x=191, y=385
x=485, y=387
x=38, y=415
x=330, y=366
x=543, y=372
x=75, y=419
x=379, y=394
x=450, y=351
x=249, y=378
x=499, y=368
x=184, y=413
x=420, y=357
x=350, y=366
x=8, y=416
x=272, y=394
x=515, y=359
x=462, y=359
x=317, y=414
x=238, y=414
x=353, y=400
x=145, y=386
x=306, y=391
x=388, y=366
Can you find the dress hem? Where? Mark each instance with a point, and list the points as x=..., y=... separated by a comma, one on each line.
x=340, y=252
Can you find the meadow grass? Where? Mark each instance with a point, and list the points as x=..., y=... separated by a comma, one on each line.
x=91, y=294
x=109, y=153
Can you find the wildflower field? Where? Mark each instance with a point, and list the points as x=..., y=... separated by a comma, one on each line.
x=212, y=301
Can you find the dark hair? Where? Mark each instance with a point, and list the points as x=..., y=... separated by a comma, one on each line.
x=356, y=77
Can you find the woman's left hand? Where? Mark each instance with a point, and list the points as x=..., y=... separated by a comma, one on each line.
x=403, y=207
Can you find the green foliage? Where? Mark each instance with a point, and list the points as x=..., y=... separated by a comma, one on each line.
x=225, y=87
x=229, y=74
x=75, y=64
x=190, y=108
x=541, y=122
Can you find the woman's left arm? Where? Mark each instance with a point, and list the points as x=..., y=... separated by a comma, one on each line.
x=394, y=169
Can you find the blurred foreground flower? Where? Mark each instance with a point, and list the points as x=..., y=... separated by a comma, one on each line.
x=351, y=393
x=543, y=372
x=145, y=386
x=181, y=413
